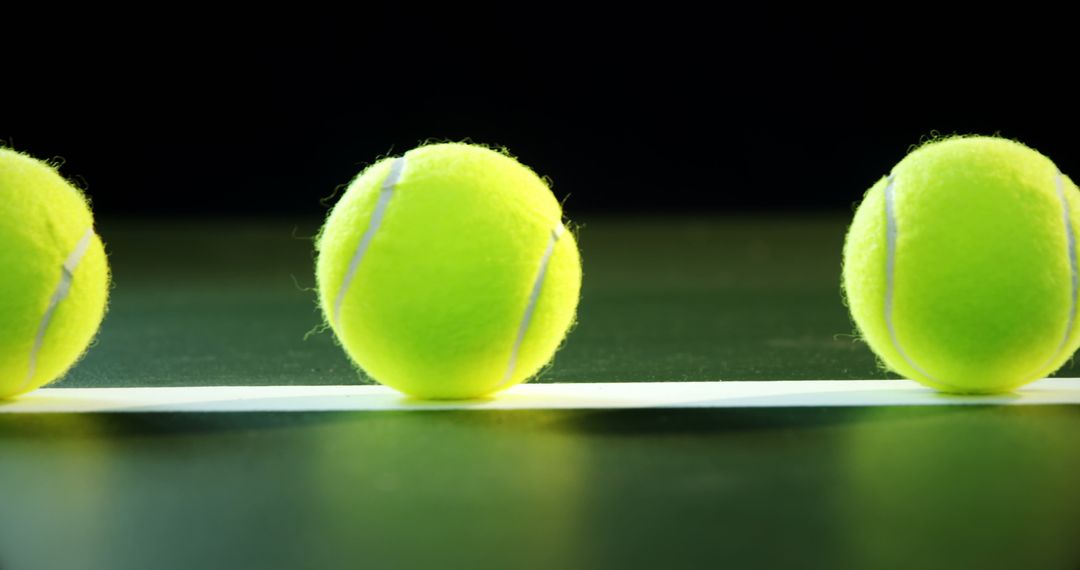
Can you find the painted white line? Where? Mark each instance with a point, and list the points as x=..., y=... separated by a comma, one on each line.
x=629, y=395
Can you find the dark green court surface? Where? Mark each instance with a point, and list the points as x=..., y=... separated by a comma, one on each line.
x=230, y=303
x=692, y=299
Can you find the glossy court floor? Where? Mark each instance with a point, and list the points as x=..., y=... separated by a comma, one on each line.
x=676, y=300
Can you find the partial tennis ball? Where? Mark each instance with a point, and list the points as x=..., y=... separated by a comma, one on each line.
x=53, y=274
x=960, y=267
x=447, y=272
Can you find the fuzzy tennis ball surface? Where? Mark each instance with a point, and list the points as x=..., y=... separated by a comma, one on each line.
x=53, y=274
x=960, y=267
x=447, y=273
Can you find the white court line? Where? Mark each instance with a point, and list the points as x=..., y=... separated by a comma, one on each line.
x=732, y=394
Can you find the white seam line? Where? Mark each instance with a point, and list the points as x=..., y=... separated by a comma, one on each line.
x=1070, y=239
x=385, y=194
x=530, y=307
x=891, y=232
x=67, y=275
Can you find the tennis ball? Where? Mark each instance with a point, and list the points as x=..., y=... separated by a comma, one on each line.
x=447, y=273
x=53, y=274
x=960, y=267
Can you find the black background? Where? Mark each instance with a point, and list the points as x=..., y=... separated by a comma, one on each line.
x=182, y=114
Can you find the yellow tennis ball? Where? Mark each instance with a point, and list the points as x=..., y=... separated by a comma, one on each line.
x=448, y=272
x=960, y=267
x=53, y=274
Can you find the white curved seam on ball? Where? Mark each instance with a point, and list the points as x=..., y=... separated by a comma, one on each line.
x=1070, y=240
x=385, y=193
x=67, y=275
x=530, y=306
x=891, y=233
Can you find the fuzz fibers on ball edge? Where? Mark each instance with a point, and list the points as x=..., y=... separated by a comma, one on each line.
x=54, y=288
x=447, y=272
x=960, y=267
